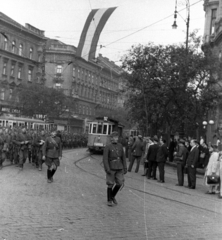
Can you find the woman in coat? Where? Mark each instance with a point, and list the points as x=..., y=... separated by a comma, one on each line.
x=213, y=168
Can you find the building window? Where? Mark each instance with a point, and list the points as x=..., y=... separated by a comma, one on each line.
x=30, y=53
x=10, y=93
x=87, y=111
x=20, y=49
x=213, y=19
x=83, y=110
x=80, y=109
x=4, y=70
x=78, y=73
x=13, y=46
x=74, y=72
x=59, y=69
x=12, y=70
x=30, y=75
x=2, y=94
x=19, y=72
x=6, y=44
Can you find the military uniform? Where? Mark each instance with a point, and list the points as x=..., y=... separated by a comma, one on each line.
x=52, y=151
x=114, y=161
x=22, y=143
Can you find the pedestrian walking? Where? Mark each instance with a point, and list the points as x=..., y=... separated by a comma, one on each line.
x=180, y=158
x=114, y=162
x=161, y=158
x=137, y=152
x=147, y=145
x=52, y=154
x=192, y=164
x=171, y=148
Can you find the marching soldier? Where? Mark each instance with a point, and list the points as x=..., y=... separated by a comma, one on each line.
x=52, y=154
x=40, y=143
x=114, y=161
x=22, y=143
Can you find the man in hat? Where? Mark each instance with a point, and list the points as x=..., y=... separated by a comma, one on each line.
x=114, y=162
x=152, y=158
x=52, y=154
x=137, y=152
x=180, y=158
x=192, y=164
x=162, y=154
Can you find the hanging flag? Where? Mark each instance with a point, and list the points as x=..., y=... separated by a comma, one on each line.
x=90, y=35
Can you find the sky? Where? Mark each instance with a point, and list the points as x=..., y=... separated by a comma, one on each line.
x=133, y=22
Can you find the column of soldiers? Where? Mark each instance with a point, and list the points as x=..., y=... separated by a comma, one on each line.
x=19, y=144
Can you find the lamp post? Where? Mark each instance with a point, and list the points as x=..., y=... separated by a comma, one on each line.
x=187, y=21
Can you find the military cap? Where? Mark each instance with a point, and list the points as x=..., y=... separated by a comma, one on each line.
x=114, y=134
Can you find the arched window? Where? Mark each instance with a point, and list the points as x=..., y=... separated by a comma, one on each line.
x=6, y=44
x=13, y=46
x=31, y=53
x=20, y=49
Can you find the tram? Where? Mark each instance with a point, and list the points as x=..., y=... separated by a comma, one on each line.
x=99, y=132
x=29, y=123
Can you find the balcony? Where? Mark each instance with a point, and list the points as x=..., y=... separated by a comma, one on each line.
x=58, y=78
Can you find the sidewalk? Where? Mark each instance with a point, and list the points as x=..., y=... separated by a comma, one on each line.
x=200, y=171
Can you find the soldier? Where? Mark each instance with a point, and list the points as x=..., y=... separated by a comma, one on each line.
x=1, y=149
x=40, y=142
x=114, y=161
x=52, y=154
x=22, y=143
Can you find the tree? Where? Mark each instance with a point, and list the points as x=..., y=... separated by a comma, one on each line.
x=169, y=87
x=37, y=99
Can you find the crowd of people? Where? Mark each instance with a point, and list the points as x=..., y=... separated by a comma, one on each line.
x=19, y=145
x=188, y=154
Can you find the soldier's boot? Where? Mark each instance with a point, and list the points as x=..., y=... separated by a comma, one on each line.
x=53, y=172
x=109, y=197
x=1, y=165
x=49, y=175
x=114, y=192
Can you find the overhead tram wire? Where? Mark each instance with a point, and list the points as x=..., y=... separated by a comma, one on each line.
x=149, y=25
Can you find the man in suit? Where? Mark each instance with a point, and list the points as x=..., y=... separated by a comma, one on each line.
x=137, y=152
x=192, y=160
x=152, y=157
x=161, y=158
x=180, y=158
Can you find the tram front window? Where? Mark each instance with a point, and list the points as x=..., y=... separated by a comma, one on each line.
x=104, y=129
x=94, y=128
x=100, y=127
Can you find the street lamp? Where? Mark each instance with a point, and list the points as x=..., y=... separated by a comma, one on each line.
x=187, y=21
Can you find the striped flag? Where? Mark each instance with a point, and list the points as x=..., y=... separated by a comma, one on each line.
x=94, y=24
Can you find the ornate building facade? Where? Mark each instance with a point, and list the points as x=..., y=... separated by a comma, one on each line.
x=21, y=49
x=91, y=84
x=213, y=39
x=27, y=56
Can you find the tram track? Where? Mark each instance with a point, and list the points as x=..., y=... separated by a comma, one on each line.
x=146, y=192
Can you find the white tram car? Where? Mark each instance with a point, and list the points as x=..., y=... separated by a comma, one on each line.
x=29, y=123
x=99, y=132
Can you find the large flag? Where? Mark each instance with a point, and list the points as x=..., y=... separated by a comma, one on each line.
x=90, y=35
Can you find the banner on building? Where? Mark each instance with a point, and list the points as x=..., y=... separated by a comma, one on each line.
x=93, y=27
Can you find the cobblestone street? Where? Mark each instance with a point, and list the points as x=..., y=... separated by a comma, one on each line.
x=74, y=205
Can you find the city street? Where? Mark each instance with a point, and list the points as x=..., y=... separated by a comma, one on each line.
x=74, y=205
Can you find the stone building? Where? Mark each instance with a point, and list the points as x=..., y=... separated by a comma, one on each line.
x=213, y=38
x=91, y=84
x=21, y=49
x=27, y=56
